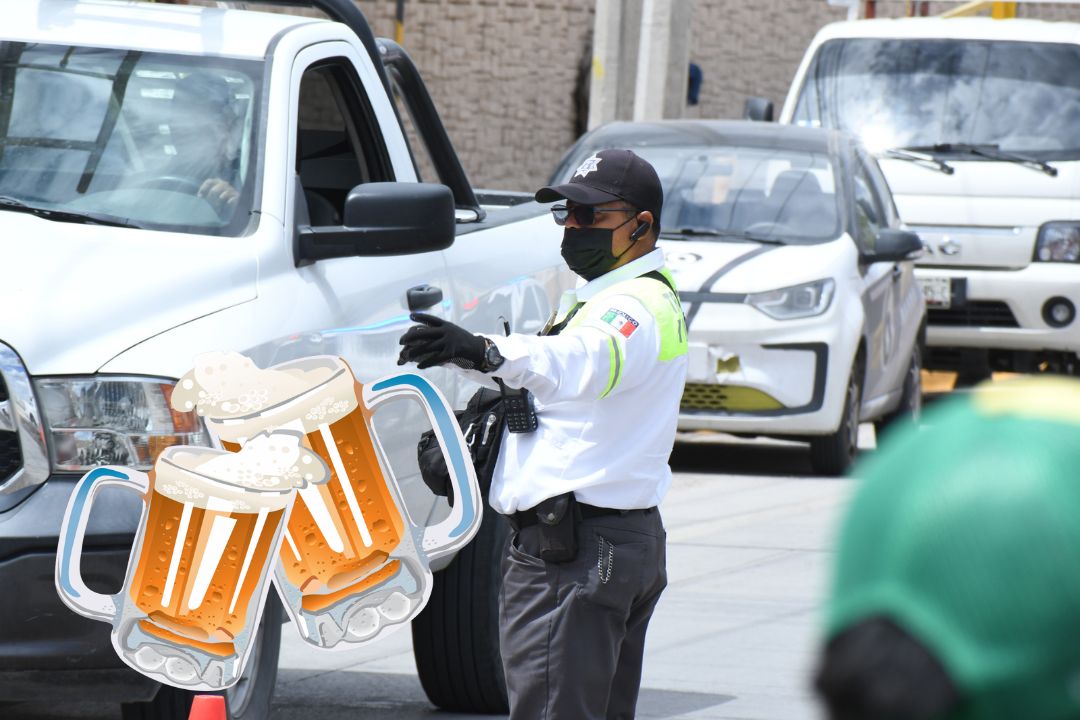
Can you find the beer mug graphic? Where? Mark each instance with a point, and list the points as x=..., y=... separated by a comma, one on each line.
x=202, y=557
x=353, y=565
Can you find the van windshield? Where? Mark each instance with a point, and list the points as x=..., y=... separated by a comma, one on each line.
x=1021, y=97
x=126, y=137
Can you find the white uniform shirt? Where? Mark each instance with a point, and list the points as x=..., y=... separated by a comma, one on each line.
x=609, y=445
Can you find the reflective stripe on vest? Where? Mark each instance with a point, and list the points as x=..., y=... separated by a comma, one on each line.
x=665, y=309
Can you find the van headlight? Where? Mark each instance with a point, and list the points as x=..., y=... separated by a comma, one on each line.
x=1058, y=242
x=95, y=421
x=797, y=301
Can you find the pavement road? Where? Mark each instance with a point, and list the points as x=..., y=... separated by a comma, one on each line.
x=749, y=548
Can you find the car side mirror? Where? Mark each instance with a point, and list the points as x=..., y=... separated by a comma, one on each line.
x=896, y=245
x=758, y=108
x=383, y=218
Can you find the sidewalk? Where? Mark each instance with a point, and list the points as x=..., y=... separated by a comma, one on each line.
x=733, y=637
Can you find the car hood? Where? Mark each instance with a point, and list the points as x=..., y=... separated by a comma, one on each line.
x=741, y=267
x=983, y=193
x=75, y=296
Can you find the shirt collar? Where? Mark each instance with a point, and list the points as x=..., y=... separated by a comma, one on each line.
x=646, y=263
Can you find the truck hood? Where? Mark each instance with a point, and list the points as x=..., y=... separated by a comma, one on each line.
x=75, y=296
x=986, y=214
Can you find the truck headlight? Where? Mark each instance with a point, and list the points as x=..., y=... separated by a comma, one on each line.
x=798, y=301
x=112, y=421
x=1058, y=242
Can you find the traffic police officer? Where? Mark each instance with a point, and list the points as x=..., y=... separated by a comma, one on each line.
x=586, y=563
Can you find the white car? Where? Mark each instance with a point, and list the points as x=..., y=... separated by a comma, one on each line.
x=803, y=312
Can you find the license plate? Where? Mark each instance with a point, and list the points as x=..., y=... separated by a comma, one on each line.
x=937, y=291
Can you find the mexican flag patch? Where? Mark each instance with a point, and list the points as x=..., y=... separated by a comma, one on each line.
x=622, y=322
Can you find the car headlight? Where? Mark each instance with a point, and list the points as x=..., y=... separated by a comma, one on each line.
x=1058, y=242
x=112, y=421
x=798, y=301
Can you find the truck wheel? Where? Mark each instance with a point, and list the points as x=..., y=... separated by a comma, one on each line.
x=910, y=406
x=456, y=637
x=248, y=699
x=832, y=454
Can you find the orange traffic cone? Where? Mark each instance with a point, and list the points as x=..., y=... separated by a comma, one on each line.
x=208, y=707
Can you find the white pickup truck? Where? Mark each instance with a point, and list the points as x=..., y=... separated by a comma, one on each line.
x=175, y=180
x=974, y=123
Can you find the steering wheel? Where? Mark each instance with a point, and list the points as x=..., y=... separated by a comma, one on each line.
x=175, y=183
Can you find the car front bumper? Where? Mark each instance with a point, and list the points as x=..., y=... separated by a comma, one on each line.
x=1003, y=309
x=750, y=374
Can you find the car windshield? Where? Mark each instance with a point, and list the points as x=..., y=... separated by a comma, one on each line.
x=125, y=137
x=1016, y=96
x=740, y=193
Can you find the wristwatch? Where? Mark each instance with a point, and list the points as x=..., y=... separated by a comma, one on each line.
x=492, y=358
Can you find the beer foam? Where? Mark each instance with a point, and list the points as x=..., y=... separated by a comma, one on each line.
x=270, y=461
x=240, y=399
x=270, y=464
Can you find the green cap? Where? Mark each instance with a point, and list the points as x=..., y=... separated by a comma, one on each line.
x=966, y=533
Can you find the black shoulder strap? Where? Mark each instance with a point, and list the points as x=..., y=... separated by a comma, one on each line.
x=657, y=275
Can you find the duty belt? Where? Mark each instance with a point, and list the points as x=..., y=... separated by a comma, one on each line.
x=526, y=518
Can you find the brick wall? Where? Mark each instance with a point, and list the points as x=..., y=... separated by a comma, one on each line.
x=502, y=72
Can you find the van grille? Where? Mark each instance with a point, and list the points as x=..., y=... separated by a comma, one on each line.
x=974, y=313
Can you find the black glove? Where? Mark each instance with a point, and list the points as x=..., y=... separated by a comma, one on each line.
x=436, y=341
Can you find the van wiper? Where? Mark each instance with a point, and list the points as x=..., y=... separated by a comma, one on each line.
x=920, y=159
x=15, y=205
x=993, y=152
x=686, y=232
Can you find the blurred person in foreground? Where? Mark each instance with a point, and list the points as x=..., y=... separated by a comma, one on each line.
x=956, y=593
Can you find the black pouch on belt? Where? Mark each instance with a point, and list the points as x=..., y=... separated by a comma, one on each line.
x=558, y=521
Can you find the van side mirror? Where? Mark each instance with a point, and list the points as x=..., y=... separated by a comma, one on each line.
x=383, y=218
x=758, y=108
x=896, y=245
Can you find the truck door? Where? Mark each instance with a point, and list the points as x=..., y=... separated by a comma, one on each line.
x=879, y=281
x=342, y=136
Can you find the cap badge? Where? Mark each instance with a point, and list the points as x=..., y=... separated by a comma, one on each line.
x=588, y=166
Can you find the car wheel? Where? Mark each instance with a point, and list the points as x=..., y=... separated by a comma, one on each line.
x=910, y=407
x=456, y=636
x=833, y=454
x=249, y=699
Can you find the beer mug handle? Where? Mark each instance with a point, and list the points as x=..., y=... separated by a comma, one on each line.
x=461, y=525
x=69, y=582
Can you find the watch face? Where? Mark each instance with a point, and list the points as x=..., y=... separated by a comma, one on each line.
x=492, y=356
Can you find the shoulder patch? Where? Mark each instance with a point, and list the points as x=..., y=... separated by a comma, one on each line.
x=622, y=322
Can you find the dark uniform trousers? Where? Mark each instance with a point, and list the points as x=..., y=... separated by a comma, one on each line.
x=573, y=634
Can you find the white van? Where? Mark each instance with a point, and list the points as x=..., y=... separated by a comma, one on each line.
x=975, y=124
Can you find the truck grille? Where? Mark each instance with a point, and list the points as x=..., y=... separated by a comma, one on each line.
x=24, y=457
x=10, y=454
x=975, y=313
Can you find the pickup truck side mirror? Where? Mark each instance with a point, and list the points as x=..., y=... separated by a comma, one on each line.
x=758, y=108
x=384, y=218
x=896, y=245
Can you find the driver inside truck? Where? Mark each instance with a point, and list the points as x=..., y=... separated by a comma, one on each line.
x=205, y=132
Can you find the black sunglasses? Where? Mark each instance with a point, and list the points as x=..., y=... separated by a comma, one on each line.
x=584, y=215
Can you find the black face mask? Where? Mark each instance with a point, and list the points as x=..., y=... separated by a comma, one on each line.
x=587, y=251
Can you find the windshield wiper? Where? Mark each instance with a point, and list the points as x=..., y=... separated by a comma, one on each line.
x=13, y=204
x=922, y=159
x=709, y=232
x=993, y=152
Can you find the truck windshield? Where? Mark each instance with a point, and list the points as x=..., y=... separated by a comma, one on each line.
x=1019, y=97
x=142, y=139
